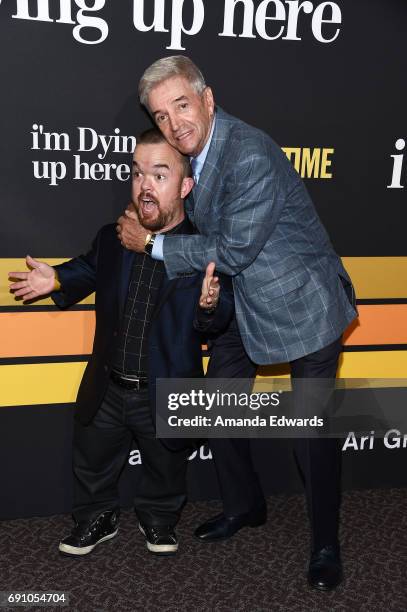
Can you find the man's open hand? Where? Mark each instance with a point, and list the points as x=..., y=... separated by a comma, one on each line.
x=39, y=281
x=210, y=289
x=131, y=234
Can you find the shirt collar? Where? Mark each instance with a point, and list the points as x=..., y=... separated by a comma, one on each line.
x=200, y=159
x=178, y=229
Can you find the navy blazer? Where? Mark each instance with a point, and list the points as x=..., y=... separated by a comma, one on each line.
x=174, y=345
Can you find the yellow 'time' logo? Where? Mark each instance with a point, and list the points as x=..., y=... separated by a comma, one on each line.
x=310, y=163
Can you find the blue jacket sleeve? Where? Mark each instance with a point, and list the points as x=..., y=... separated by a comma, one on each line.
x=77, y=277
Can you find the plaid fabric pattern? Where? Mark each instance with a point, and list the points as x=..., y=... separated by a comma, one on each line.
x=258, y=223
x=131, y=353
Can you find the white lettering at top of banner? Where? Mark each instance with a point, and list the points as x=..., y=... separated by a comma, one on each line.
x=268, y=19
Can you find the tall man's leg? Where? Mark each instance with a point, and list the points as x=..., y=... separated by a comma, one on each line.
x=319, y=460
x=242, y=496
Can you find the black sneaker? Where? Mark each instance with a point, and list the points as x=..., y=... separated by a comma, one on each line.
x=85, y=537
x=160, y=540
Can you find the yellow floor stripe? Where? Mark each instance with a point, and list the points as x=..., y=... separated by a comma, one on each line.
x=57, y=383
x=19, y=265
x=373, y=277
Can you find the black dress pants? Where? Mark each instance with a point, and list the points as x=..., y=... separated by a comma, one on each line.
x=319, y=459
x=100, y=451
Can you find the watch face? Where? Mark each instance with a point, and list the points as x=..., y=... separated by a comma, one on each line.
x=148, y=248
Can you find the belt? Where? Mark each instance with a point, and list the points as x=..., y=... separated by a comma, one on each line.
x=128, y=382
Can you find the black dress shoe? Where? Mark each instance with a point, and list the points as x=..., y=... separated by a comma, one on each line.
x=325, y=568
x=85, y=536
x=221, y=527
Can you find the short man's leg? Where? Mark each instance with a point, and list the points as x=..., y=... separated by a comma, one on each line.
x=161, y=489
x=99, y=453
x=100, y=450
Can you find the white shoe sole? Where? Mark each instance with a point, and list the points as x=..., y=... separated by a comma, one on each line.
x=75, y=550
x=163, y=549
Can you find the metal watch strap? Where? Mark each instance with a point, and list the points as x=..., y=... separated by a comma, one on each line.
x=148, y=249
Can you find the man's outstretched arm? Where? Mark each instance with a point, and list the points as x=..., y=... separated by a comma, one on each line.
x=66, y=283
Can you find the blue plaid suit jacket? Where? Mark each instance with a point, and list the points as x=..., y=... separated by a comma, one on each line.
x=258, y=223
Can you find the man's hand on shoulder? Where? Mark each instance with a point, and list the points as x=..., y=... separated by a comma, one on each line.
x=39, y=281
x=131, y=234
x=210, y=289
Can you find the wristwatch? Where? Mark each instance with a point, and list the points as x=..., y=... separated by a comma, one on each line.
x=149, y=243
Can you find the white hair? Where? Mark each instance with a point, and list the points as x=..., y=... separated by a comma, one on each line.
x=167, y=67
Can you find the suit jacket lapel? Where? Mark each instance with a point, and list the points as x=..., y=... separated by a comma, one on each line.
x=203, y=192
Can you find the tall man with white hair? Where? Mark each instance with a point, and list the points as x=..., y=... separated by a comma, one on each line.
x=258, y=224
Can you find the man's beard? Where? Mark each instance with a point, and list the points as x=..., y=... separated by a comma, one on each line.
x=156, y=224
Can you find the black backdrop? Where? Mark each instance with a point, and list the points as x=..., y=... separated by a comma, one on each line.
x=348, y=95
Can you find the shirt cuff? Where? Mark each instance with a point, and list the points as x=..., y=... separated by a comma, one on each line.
x=158, y=251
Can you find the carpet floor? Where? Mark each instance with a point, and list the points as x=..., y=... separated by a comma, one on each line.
x=258, y=570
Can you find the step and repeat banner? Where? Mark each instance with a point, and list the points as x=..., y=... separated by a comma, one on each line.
x=325, y=79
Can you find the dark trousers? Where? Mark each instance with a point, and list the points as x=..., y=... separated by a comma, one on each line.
x=100, y=451
x=319, y=460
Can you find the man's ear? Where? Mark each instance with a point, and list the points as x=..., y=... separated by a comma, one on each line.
x=210, y=102
x=186, y=186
